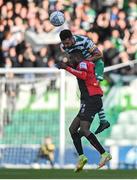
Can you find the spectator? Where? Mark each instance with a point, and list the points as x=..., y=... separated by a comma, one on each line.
x=13, y=57
x=42, y=57
x=132, y=9
x=29, y=58
x=110, y=53
x=8, y=42
x=116, y=40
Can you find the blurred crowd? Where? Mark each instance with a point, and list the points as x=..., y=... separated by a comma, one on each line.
x=112, y=25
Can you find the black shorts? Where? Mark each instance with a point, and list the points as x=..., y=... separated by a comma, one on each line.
x=90, y=107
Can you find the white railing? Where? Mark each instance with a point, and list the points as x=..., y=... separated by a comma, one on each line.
x=55, y=70
x=121, y=65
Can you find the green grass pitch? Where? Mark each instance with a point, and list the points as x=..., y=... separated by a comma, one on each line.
x=66, y=174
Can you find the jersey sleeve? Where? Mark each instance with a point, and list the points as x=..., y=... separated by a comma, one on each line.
x=90, y=45
x=81, y=72
x=83, y=66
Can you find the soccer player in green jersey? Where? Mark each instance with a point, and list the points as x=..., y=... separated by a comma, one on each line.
x=90, y=52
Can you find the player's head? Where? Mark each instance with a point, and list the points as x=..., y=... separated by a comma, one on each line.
x=76, y=56
x=66, y=38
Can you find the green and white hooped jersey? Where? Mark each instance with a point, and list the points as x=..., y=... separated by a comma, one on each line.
x=86, y=45
x=82, y=43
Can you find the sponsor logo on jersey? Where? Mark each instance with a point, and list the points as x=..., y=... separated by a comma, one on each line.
x=83, y=65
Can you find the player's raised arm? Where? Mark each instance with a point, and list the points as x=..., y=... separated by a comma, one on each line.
x=81, y=74
x=93, y=50
x=96, y=54
x=77, y=73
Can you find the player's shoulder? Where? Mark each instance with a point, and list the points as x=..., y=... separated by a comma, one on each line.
x=80, y=38
x=88, y=63
x=83, y=39
x=83, y=65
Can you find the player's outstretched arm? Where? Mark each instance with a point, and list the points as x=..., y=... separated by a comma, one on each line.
x=96, y=54
x=77, y=73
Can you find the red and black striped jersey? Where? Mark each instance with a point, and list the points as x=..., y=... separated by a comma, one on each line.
x=88, y=84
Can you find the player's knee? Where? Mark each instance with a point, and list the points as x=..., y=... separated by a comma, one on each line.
x=72, y=130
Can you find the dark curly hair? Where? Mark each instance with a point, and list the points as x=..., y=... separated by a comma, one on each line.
x=64, y=34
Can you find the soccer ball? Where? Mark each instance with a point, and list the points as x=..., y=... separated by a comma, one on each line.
x=57, y=18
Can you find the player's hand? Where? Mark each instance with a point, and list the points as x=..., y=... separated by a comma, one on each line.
x=61, y=65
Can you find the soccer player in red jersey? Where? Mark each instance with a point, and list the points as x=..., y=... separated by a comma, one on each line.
x=91, y=103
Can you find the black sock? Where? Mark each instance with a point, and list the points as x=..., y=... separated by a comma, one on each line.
x=94, y=141
x=77, y=143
